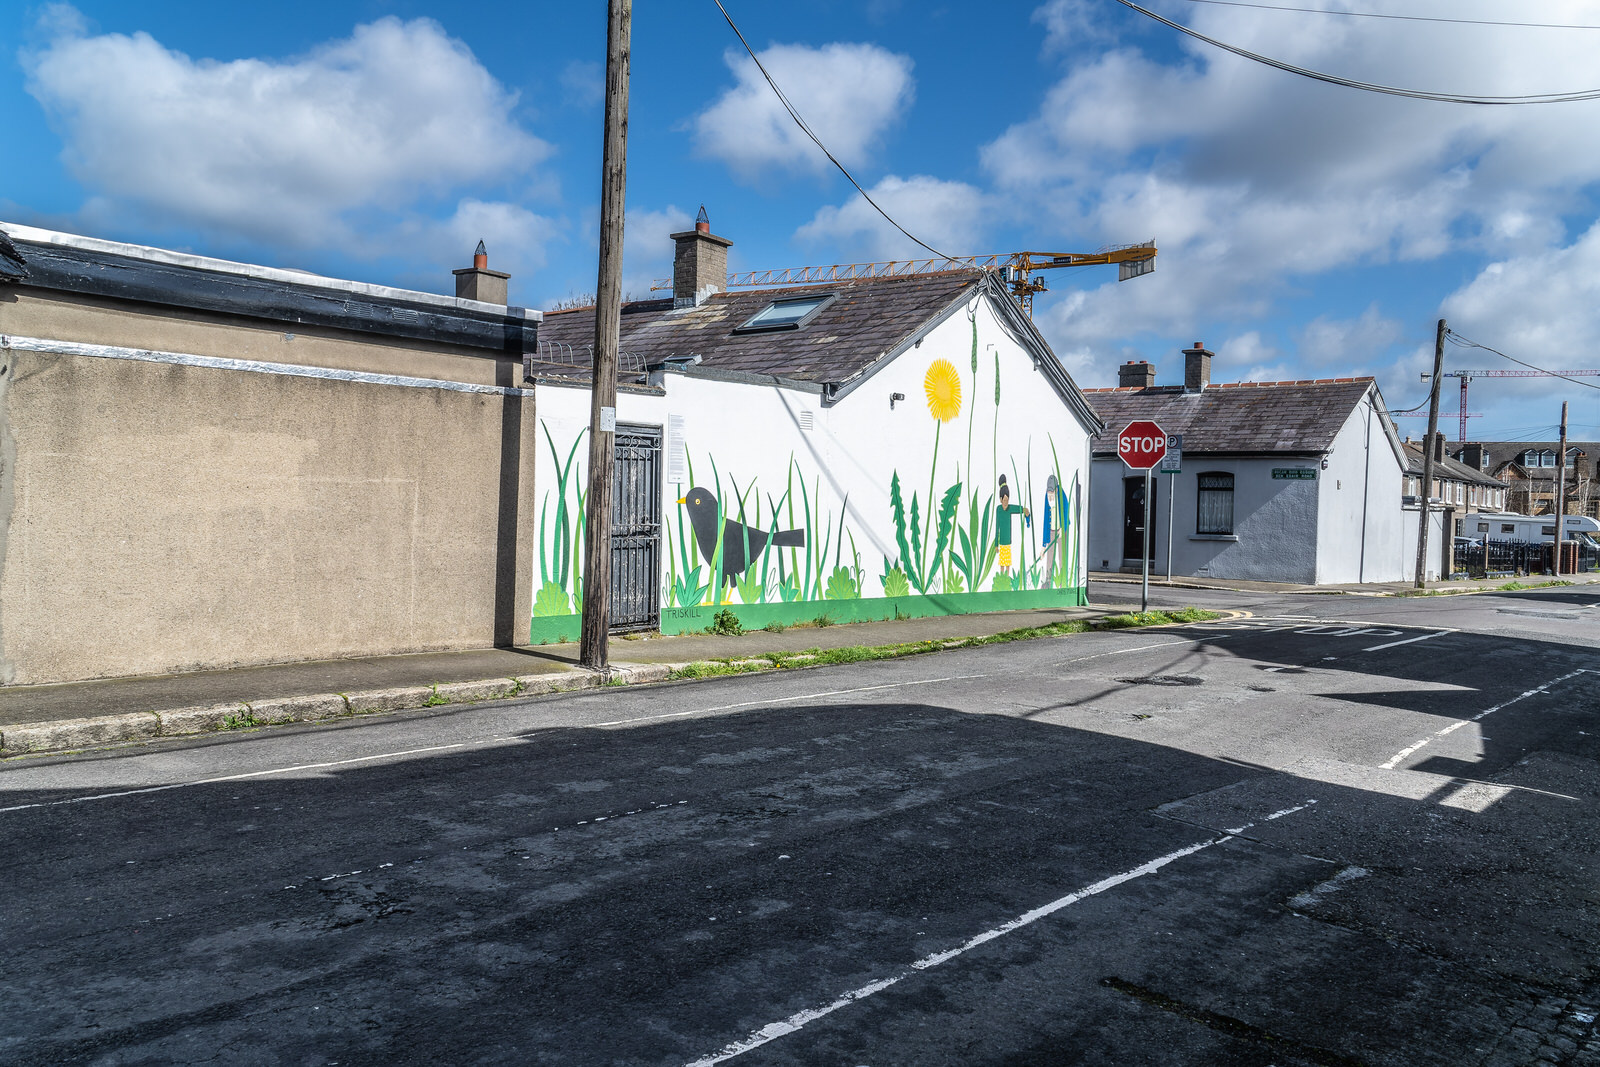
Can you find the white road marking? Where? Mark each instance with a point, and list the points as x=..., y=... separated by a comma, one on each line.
x=1394, y=761
x=1409, y=640
x=232, y=777
x=775, y=1030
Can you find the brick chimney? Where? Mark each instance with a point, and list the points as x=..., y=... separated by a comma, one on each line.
x=1196, y=368
x=1438, y=446
x=1136, y=373
x=478, y=282
x=699, y=264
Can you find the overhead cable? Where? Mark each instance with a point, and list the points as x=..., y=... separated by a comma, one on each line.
x=1462, y=342
x=1371, y=87
x=1401, y=18
x=815, y=139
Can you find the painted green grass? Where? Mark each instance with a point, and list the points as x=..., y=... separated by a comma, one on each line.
x=820, y=657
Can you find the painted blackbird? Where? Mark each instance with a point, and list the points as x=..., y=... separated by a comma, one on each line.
x=703, y=517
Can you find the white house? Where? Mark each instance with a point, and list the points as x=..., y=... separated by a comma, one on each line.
x=1280, y=481
x=850, y=450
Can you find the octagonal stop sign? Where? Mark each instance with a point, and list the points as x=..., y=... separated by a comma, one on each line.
x=1141, y=444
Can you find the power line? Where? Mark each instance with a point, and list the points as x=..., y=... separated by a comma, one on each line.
x=1402, y=18
x=1462, y=342
x=1371, y=87
x=815, y=139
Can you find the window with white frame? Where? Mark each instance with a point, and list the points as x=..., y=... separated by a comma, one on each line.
x=1214, y=506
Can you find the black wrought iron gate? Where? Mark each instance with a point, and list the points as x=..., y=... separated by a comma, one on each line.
x=636, y=529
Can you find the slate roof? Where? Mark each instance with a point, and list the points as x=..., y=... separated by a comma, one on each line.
x=1448, y=468
x=1504, y=453
x=869, y=318
x=1296, y=418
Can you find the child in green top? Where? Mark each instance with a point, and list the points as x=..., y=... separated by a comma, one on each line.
x=1002, y=524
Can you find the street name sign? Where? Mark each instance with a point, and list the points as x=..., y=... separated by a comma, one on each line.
x=1141, y=444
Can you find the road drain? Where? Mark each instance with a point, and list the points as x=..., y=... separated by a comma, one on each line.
x=1236, y=1028
x=1163, y=679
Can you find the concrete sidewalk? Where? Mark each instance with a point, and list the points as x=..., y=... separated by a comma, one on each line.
x=53, y=718
x=1353, y=589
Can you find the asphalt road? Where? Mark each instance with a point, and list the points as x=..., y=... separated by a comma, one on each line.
x=1344, y=831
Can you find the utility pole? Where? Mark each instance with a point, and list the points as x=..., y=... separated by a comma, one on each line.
x=1427, y=455
x=1561, y=490
x=592, y=650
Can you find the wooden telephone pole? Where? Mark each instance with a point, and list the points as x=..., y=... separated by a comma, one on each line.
x=592, y=648
x=1561, y=492
x=1427, y=455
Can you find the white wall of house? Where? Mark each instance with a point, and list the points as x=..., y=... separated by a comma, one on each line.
x=1274, y=521
x=828, y=471
x=1360, y=529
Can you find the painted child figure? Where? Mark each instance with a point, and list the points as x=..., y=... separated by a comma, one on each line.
x=1002, y=525
x=1054, y=529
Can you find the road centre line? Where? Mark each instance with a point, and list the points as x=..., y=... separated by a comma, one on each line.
x=232, y=777
x=775, y=1030
x=1394, y=761
x=1409, y=640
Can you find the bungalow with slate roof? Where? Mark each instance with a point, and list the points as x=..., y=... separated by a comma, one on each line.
x=1281, y=481
x=804, y=470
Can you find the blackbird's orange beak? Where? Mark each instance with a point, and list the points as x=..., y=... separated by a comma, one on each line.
x=683, y=500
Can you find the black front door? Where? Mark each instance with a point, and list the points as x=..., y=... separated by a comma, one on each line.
x=1133, y=531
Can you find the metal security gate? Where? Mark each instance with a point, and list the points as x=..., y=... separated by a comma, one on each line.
x=636, y=529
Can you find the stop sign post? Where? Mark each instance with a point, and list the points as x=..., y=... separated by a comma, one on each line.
x=1142, y=444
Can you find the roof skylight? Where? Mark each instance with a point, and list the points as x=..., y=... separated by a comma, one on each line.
x=790, y=314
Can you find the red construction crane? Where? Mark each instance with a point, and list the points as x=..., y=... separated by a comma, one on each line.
x=1467, y=376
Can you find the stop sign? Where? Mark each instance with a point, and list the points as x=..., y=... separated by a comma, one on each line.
x=1141, y=444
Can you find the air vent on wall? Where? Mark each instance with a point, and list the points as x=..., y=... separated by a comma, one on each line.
x=806, y=421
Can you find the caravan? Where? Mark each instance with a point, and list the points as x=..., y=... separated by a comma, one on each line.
x=1507, y=527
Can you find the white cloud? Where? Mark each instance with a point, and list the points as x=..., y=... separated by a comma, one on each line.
x=1249, y=358
x=948, y=215
x=849, y=94
x=287, y=151
x=1251, y=178
x=647, y=248
x=583, y=83
x=1363, y=341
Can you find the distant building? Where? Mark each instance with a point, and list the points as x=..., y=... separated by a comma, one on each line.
x=1528, y=470
x=1455, y=485
x=1295, y=481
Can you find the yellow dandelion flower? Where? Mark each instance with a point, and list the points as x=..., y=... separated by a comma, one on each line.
x=943, y=385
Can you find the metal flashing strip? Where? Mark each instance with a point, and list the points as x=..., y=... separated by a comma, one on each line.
x=250, y=366
x=304, y=279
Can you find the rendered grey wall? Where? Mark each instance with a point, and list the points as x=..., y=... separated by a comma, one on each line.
x=1361, y=536
x=158, y=517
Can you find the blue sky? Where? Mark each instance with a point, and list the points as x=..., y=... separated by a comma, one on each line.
x=1305, y=230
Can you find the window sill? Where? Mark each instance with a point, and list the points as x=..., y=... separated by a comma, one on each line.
x=1213, y=537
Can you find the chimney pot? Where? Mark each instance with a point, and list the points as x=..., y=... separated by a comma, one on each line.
x=478, y=282
x=699, y=263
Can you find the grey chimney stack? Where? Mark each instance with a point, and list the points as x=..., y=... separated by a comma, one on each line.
x=1136, y=374
x=1196, y=368
x=699, y=263
x=478, y=282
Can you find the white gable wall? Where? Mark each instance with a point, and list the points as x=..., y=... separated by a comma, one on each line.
x=1360, y=525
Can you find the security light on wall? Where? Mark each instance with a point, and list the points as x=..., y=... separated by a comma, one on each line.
x=893, y=397
x=1324, y=462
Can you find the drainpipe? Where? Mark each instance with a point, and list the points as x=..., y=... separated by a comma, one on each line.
x=1366, y=489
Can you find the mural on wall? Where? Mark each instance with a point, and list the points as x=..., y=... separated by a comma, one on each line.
x=784, y=547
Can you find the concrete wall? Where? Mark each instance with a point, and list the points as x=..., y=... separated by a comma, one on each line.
x=828, y=469
x=1360, y=535
x=158, y=517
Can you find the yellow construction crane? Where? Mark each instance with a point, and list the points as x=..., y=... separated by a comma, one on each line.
x=1016, y=269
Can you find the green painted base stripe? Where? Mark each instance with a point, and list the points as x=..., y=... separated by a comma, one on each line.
x=562, y=628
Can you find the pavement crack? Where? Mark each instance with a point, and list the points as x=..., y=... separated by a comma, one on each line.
x=1235, y=1028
